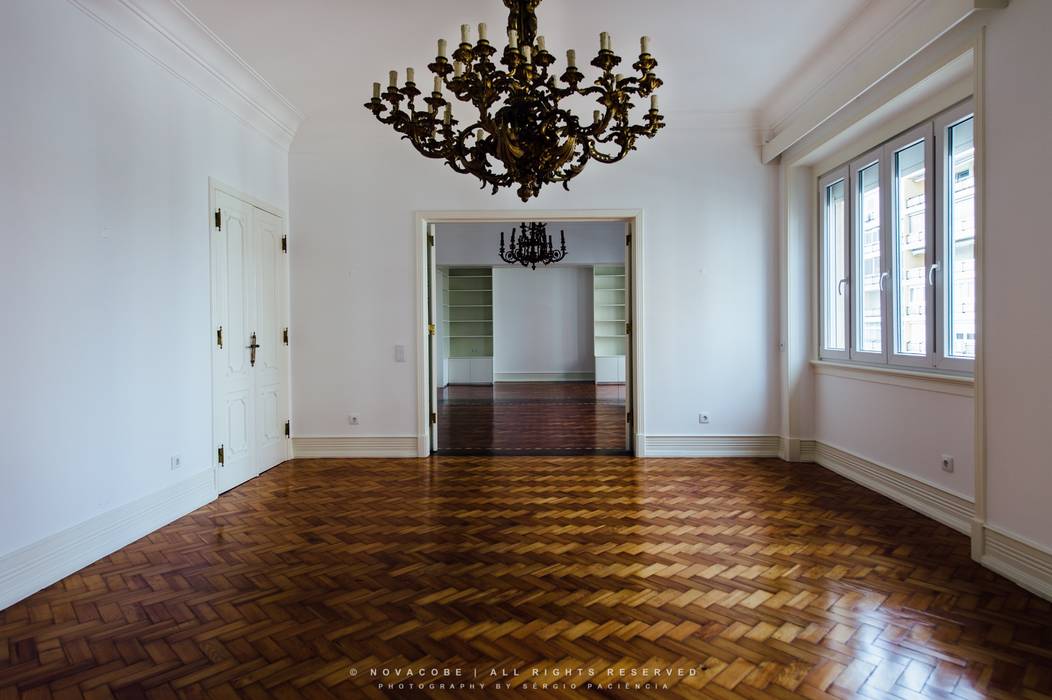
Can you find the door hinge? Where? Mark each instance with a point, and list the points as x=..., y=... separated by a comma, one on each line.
x=628, y=328
x=434, y=418
x=219, y=219
x=628, y=417
x=288, y=429
x=628, y=239
x=431, y=240
x=284, y=244
x=431, y=329
x=221, y=463
x=219, y=337
x=285, y=336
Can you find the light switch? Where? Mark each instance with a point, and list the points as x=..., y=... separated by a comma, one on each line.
x=399, y=353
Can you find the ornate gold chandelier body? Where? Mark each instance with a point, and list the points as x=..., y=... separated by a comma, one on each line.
x=522, y=135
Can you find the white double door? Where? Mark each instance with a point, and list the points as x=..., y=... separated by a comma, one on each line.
x=249, y=350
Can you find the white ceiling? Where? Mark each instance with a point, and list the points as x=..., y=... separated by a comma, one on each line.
x=722, y=56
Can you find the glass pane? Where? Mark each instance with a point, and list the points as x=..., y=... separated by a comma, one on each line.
x=869, y=265
x=910, y=249
x=960, y=244
x=834, y=272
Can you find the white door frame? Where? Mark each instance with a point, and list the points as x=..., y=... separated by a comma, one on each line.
x=423, y=219
x=213, y=185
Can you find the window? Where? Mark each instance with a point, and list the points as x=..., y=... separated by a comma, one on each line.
x=897, y=250
x=866, y=240
x=957, y=243
x=834, y=293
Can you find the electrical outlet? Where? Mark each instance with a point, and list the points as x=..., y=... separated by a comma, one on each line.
x=704, y=418
x=947, y=463
x=177, y=462
x=353, y=419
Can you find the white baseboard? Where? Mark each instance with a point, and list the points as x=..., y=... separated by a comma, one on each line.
x=808, y=449
x=42, y=563
x=364, y=446
x=544, y=377
x=712, y=445
x=928, y=499
x=1025, y=563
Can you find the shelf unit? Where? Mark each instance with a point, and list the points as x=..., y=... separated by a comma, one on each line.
x=469, y=325
x=609, y=338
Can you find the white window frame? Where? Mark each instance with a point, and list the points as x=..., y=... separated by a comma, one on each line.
x=943, y=123
x=844, y=285
x=891, y=148
x=855, y=271
x=935, y=133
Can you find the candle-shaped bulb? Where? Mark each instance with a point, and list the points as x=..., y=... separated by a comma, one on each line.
x=438, y=83
x=540, y=43
x=571, y=58
x=448, y=116
x=482, y=31
x=393, y=75
x=527, y=53
x=442, y=48
x=513, y=39
x=604, y=41
x=644, y=44
x=654, y=102
x=458, y=68
x=376, y=91
x=617, y=79
x=465, y=34
x=409, y=75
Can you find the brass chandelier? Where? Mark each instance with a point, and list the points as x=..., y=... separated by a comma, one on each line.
x=534, y=246
x=522, y=135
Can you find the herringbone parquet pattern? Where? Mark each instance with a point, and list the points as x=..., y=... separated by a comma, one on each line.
x=718, y=578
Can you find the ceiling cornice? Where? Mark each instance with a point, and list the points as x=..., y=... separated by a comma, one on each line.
x=893, y=32
x=174, y=38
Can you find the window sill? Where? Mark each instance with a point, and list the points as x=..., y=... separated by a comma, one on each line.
x=955, y=384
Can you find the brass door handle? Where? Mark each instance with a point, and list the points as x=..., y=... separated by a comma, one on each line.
x=252, y=348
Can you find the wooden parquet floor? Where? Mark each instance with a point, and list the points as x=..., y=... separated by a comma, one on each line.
x=511, y=418
x=715, y=578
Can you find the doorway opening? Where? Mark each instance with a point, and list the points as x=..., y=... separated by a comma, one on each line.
x=524, y=361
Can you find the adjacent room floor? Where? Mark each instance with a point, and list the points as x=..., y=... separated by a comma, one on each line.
x=532, y=418
x=751, y=578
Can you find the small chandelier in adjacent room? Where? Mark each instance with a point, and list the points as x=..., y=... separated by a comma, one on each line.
x=533, y=246
x=518, y=130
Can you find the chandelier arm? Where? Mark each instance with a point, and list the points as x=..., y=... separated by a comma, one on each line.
x=608, y=159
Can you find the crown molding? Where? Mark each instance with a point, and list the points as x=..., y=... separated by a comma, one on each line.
x=883, y=37
x=167, y=33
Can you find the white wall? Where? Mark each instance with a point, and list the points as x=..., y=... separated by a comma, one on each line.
x=105, y=267
x=542, y=321
x=903, y=428
x=1016, y=324
x=709, y=245
x=587, y=242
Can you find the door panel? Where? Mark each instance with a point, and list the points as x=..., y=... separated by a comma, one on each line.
x=235, y=307
x=624, y=369
x=432, y=339
x=249, y=289
x=272, y=359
